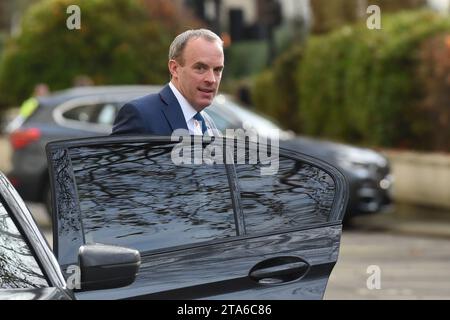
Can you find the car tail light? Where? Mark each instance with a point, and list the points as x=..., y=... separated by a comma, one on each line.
x=23, y=137
x=14, y=181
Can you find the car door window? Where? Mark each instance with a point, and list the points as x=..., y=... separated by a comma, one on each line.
x=221, y=122
x=297, y=195
x=107, y=114
x=101, y=113
x=84, y=113
x=134, y=195
x=18, y=266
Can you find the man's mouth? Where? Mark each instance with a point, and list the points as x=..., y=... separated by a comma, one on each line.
x=208, y=91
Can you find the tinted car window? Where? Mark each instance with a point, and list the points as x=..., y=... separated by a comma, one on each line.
x=107, y=114
x=298, y=195
x=18, y=267
x=221, y=122
x=95, y=113
x=134, y=195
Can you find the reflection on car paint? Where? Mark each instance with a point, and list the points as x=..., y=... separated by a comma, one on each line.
x=130, y=194
x=18, y=267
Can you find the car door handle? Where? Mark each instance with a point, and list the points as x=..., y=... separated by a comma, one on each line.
x=279, y=270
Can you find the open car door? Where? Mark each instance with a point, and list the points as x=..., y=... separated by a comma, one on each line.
x=204, y=229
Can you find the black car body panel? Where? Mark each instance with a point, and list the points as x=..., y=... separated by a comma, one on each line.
x=204, y=231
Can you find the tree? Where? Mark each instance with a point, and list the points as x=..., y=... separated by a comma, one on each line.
x=119, y=42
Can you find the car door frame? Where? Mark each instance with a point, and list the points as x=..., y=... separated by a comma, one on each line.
x=335, y=216
x=33, y=237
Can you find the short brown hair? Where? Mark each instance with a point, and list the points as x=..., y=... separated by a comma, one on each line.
x=179, y=43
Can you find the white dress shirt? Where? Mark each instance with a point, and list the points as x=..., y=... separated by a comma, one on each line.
x=189, y=112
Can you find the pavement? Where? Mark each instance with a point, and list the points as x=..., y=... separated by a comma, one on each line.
x=5, y=154
x=386, y=266
x=40, y=215
x=407, y=220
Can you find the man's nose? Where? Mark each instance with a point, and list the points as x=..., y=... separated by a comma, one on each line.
x=210, y=77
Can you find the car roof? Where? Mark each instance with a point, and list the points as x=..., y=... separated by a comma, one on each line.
x=58, y=97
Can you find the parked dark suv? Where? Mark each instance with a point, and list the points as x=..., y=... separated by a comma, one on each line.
x=90, y=111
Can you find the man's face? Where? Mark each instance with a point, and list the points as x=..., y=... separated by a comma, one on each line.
x=198, y=77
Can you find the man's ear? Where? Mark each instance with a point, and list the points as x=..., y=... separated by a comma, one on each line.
x=173, y=68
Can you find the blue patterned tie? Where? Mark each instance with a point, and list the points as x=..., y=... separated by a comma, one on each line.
x=200, y=119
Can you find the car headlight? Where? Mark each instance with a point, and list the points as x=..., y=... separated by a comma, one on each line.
x=387, y=182
x=357, y=168
x=361, y=162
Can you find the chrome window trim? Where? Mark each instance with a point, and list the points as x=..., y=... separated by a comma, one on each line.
x=59, y=111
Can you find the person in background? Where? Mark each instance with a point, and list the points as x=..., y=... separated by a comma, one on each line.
x=28, y=107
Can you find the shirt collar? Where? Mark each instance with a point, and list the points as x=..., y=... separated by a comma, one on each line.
x=188, y=111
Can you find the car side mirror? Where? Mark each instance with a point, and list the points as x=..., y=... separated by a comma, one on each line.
x=107, y=267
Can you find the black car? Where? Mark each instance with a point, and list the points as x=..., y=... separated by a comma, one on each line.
x=29, y=270
x=90, y=111
x=212, y=226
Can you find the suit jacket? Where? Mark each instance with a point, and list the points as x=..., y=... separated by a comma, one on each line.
x=158, y=114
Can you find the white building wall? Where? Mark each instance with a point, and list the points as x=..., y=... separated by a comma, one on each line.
x=291, y=9
x=440, y=5
x=248, y=7
x=296, y=8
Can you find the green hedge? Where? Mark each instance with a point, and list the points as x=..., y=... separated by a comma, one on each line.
x=274, y=91
x=245, y=58
x=120, y=42
x=2, y=42
x=358, y=85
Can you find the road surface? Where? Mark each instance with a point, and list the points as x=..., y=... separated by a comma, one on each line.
x=411, y=267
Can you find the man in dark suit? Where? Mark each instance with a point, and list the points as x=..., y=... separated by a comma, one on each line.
x=196, y=62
